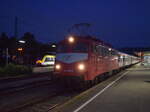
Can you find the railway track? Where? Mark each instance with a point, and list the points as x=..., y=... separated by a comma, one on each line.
x=11, y=90
x=54, y=102
x=27, y=105
x=42, y=100
x=53, y=91
x=19, y=95
x=49, y=103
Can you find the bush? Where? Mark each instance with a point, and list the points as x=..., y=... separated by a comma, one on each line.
x=12, y=69
x=1, y=71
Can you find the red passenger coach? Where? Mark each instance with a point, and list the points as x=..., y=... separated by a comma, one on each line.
x=85, y=59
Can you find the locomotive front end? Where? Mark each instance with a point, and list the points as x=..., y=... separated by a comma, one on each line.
x=72, y=59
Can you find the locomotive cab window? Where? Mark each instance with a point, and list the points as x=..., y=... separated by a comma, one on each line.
x=80, y=47
x=104, y=51
x=62, y=48
x=97, y=49
x=94, y=48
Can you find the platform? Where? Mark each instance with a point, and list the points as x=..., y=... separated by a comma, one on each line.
x=128, y=91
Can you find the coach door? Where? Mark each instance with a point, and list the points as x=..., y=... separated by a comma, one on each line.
x=95, y=54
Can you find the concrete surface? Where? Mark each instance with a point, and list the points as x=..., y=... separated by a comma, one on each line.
x=129, y=93
x=43, y=69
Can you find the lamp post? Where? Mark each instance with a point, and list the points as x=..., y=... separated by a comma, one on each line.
x=20, y=50
x=7, y=56
x=22, y=41
x=53, y=45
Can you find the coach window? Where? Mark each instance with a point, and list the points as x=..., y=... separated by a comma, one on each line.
x=116, y=53
x=94, y=48
x=113, y=52
x=103, y=52
x=99, y=50
x=107, y=52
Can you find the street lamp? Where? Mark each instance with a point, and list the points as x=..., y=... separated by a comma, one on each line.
x=7, y=56
x=109, y=49
x=20, y=49
x=22, y=41
x=53, y=45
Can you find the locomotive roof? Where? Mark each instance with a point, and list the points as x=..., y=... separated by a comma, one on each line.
x=95, y=39
x=91, y=38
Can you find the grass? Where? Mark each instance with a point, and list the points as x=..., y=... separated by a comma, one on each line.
x=14, y=70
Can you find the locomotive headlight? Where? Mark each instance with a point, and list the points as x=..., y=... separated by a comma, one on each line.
x=81, y=66
x=71, y=39
x=58, y=66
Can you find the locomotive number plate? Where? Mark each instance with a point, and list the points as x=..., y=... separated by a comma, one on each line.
x=68, y=70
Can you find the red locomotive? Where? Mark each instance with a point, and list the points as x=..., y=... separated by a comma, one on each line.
x=86, y=59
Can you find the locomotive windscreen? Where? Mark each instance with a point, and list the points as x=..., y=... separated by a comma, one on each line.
x=78, y=47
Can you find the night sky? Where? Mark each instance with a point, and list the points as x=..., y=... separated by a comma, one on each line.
x=123, y=23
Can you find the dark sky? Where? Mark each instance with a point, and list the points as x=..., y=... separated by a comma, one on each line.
x=123, y=23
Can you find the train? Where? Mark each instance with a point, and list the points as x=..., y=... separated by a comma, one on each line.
x=84, y=60
x=146, y=59
x=47, y=60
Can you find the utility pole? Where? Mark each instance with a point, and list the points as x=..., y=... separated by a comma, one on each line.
x=81, y=29
x=16, y=27
x=7, y=55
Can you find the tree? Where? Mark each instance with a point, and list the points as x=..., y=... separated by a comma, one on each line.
x=4, y=41
x=13, y=44
x=30, y=47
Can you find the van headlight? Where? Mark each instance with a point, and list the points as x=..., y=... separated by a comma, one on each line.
x=81, y=67
x=57, y=66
